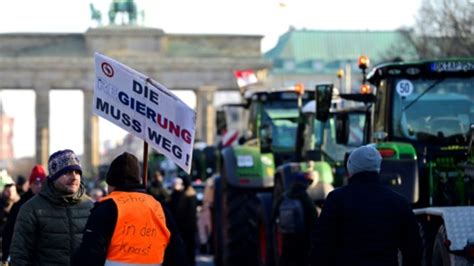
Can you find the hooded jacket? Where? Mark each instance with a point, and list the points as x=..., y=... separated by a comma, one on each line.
x=49, y=227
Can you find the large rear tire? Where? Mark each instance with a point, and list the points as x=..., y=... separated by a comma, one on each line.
x=265, y=230
x=427, y=242
x=217, y=237
x=441, y=256
x=277, y=243
x=240, y=227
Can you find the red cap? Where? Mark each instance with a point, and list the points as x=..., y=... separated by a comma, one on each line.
x=37, y=174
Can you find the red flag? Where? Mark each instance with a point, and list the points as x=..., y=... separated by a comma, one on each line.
x=245, y=77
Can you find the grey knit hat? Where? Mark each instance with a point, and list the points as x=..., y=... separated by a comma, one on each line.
x=365, y=158
x=61, y=162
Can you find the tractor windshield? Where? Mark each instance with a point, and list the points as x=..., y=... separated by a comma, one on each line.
x=283, y=127
x=433, y=109
x=325, y=135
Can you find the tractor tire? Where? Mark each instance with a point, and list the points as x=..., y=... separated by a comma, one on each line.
x=441, y=255
x=277, y=242
x=265, y=230
x=217, y=231
x=239, y=225
x=426, y=240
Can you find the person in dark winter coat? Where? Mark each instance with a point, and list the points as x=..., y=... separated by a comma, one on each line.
x=9, y=196
x=49, y=226
x=37, y=177
x=296, y=245
x=22, y=185
x=129, y=227
x=365, y=223
x=183, y=206
x=157, y=190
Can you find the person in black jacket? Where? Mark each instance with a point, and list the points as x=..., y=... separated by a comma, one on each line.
x=183, y=206
x=296, y=243
x=157, y=190
x=365, y=223
x=142, y=232
x=49, y=226
x=37, y=177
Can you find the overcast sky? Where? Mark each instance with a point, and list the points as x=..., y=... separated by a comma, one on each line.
x=266, y=17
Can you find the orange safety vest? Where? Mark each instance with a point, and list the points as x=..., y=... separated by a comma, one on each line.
x=140, y=235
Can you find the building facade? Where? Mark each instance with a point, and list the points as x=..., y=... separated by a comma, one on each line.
x=314, y=56
x=201, y=63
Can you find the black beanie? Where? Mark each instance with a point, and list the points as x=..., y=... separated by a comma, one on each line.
x=124, y=172
x=186, y=180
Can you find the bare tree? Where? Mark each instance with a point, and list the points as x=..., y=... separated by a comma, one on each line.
x=443, y=28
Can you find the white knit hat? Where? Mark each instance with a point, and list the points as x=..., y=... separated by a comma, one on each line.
x=364, y=158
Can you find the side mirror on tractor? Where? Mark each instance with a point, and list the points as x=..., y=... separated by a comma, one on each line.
x=266, y=138
x=323, y=101
x=342, y=128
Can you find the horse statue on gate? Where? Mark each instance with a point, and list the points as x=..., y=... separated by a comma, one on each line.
x=123, y=6
x=96, y=15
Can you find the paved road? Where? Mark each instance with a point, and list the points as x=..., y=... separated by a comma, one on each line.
x=204, y=260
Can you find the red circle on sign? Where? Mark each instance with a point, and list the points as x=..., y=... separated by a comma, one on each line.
x=107, y=69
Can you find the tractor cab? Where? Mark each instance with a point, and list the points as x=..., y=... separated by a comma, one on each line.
x=341, y=122
x=273, y=118
x=243, y=191
x=429, y=106
x=420, y=118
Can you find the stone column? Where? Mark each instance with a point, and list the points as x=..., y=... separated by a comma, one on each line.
x=205, y=112
x=42, y=124
x=90, y=159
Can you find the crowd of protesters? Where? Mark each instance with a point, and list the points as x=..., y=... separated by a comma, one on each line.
x=50, y=218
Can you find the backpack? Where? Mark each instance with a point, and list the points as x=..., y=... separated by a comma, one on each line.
x=291, y=216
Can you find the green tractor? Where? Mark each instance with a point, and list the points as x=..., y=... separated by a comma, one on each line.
x=420, y=119
x=332, y=144
x=243, y=191
x=317, y=151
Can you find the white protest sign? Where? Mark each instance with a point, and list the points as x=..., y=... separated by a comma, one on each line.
x=144, y=108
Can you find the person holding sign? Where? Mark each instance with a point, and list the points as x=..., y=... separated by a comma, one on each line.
x=49, y=226
x=129, y=227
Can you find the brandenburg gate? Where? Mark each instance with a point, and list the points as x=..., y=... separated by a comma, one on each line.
x=47, y=61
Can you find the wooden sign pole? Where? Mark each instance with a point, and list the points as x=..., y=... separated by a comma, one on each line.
x=145, y=163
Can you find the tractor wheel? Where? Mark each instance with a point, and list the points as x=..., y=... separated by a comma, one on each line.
x=277, y=244
x=441, y=256
x=240, y=227
x=217, y=242
x=426, y=240
x=265, y=234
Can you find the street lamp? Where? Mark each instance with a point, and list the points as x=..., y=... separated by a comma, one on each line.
x=364, y=63
x=340, y=75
